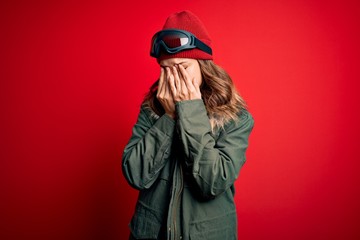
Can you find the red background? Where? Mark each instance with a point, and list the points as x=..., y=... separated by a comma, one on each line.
x=73, y=75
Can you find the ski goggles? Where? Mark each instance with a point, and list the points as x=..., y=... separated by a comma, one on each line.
x=175, y=40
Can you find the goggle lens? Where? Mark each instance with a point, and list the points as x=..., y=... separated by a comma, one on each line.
x=171, y=40
x=175, y=40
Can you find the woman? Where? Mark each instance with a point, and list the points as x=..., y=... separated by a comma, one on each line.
x=189, y=142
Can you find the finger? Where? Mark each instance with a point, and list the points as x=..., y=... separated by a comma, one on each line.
x=171, y=85
x=184, y=90
x=187, y=79
x=179, y=71
x=177, y=78
x=166, y=80
x=167, y=70
x=169, y=78
x=161, y=81
x=183, y=72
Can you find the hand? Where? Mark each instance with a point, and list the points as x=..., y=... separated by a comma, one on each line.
x=183, y=87
x=164, y=94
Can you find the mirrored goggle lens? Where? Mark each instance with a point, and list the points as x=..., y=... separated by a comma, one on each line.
x=175, y=40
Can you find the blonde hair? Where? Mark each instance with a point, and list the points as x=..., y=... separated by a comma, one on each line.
x=222, y=101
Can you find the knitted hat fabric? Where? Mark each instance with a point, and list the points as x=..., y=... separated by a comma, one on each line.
x=187, y=21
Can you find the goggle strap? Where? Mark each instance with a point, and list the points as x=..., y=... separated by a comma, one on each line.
x=202, y=46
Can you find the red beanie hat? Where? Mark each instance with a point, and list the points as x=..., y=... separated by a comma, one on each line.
x=187, y=21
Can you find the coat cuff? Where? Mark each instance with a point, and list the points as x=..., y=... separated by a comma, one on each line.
x=166, y=125
x=192, y=110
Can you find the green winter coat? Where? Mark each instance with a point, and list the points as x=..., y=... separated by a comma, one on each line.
x=185, y=173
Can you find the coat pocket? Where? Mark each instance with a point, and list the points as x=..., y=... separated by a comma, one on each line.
x=222, y=227
x=145, y=223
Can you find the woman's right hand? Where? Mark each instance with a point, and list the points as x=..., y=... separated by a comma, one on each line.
x=164, y=94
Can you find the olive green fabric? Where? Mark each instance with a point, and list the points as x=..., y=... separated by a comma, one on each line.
x=185, y=173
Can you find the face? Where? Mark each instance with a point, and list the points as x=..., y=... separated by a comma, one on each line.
x=191, y=66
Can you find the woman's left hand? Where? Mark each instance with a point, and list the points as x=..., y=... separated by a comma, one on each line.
x=183, y=86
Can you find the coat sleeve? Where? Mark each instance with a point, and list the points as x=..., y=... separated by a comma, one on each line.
x=147, y=150
x=214, y=165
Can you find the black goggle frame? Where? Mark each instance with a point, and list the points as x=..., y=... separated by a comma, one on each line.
x=158, y=43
